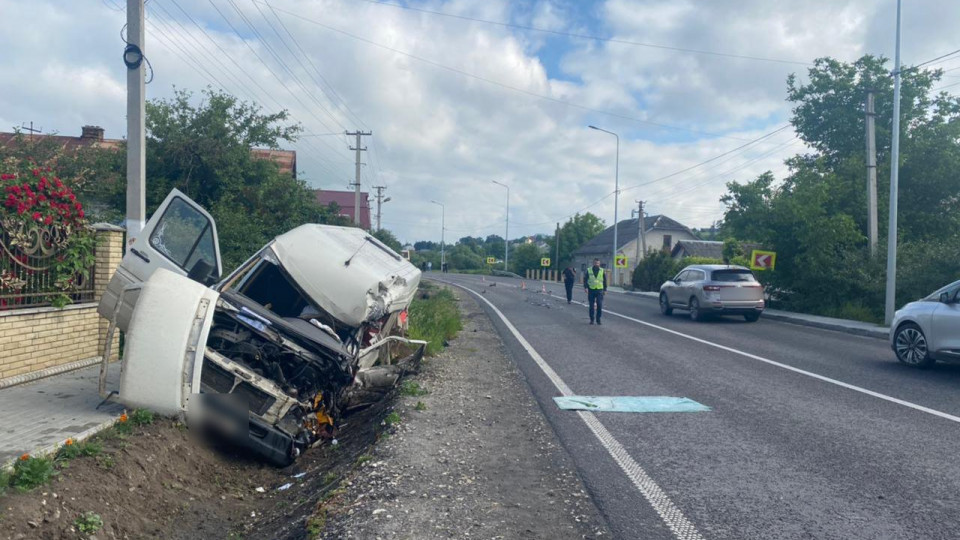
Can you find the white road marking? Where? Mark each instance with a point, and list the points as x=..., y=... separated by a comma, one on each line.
x=682, y=528
x=848, y=386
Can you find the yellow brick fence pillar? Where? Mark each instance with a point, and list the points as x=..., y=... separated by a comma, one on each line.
x=109, y=252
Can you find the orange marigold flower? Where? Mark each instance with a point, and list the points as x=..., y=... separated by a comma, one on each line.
x=68, y=442
x=24, y=457
x=123, y=417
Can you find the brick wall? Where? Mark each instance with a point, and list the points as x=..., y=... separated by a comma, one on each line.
x=34, y=339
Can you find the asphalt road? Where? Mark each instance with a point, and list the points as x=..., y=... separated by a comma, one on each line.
x=812, y=433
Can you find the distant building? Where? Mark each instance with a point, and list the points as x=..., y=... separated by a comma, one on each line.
x=93, y=136
x=697, y=248
x=661, y=233
x=345, y=200
x=707, y=248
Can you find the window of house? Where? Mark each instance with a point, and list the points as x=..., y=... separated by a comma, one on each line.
x=667, y=241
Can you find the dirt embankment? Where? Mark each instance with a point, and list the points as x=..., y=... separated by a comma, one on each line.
x=473, y=457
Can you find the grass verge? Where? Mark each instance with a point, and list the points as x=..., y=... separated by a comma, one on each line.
x=434, y=317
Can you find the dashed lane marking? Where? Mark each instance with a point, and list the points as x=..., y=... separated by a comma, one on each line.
x=681, y=527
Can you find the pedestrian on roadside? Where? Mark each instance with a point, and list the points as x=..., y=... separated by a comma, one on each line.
x=569, y=278
x=595, y=285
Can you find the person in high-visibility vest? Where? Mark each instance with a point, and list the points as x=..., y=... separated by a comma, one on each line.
x=595, y=285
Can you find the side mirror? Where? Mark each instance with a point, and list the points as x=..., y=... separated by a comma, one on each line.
x=945, y=298
x=676, y=280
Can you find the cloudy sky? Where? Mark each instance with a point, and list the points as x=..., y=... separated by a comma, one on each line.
x=463, y=92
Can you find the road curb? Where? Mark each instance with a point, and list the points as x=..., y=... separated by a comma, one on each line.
x=51, y=449
x=48, y=372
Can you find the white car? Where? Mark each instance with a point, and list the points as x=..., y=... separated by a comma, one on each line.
x=928, y=330
x=277, y=347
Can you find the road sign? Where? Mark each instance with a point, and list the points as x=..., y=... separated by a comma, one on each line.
x=491, y=260
x=545, y=261
x=620, y=261
x=763, y=260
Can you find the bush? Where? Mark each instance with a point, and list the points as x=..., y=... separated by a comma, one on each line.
x=655, y=268
x=435, y=319
x=30, y=472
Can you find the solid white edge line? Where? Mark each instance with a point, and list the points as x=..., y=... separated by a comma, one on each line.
x=673, y=517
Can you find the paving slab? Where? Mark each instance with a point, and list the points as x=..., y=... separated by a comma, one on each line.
x=40, y=415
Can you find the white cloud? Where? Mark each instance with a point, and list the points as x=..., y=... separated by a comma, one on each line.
x=443, y=135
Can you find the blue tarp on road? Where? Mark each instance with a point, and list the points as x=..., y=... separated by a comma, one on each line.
x=640, y=404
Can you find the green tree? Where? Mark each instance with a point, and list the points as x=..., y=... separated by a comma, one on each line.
x=525, y=257
x=203, y=150
x=574, y=233
x=389, y=239
x=815, y=218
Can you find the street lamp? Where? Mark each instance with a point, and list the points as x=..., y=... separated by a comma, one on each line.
x=616, y=201
x=443, y=227
x=506, y=236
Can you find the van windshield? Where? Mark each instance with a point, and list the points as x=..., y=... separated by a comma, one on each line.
x=734, y=275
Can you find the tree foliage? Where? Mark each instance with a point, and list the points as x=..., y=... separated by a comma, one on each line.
x=203, y=149
x=574, y=233
x=816, y=217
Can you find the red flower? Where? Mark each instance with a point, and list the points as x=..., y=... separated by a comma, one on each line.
x=77, y=206
x=36, y=172
x=48, y=220
x=57, y=182
x=72, y=197
x=37, y=216
x=80, y=214
x=41, y=198
x=21, y=208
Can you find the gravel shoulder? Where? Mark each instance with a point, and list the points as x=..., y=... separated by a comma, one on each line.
x=472, y=457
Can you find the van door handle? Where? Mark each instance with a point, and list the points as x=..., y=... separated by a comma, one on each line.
x=140, y=254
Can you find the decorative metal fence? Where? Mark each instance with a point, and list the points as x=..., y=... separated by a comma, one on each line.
x=28, y=253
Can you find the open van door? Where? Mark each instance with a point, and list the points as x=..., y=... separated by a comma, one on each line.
x=180, y=237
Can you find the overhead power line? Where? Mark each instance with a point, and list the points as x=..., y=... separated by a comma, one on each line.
x=591, y=37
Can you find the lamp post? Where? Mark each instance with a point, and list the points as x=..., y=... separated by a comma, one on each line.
x=891, y=289
x=443, y=227
x=616, y=201
x=506, y=236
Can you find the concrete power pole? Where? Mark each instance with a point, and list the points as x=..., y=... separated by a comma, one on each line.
x=380, y=202
x=642, y=234
x=356, y=197
x=871, y=174
x=136, y=112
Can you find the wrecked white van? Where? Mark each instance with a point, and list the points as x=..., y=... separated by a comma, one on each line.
x=284, y=337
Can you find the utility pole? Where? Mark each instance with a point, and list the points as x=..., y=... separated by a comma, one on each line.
x=871, y=174
x=506, y=237
x=136, y=113
x=30, y=129
x=358, y=148
x=380, y=201
x=642, y=233
x=891, y=299
x=556, y=240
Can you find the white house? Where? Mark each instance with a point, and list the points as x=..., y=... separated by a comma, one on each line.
x=661, y=232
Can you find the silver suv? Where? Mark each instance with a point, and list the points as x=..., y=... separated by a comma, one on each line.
x=928, y=330
x=704, y=289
